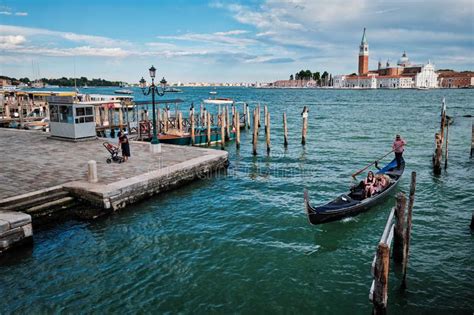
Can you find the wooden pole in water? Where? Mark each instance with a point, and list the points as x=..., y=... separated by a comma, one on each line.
x=382, y=266
x=180, y=121
x=267, y=131
x=193, y=141
x=227, y=123
x=208, y=129
x=446, y=147
x=472, y=138
x=222, y=131
x=265, y=117
x=399, y=230
x=305, y=125
x=237, y=129
x=411, y=201
x=255, y=131
x=158, y=120
x=285, y=131
x=247, y=118
x=120, y=114
x=166, y=120
x=438, y=154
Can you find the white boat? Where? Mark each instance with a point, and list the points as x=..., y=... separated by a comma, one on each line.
x=38, y=125
x=423, y=88
x=219, y=101
x=213, y=92
x=123, y=91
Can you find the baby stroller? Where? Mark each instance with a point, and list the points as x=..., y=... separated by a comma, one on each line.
x=114, y=151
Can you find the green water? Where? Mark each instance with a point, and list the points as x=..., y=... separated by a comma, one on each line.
x=241, y=243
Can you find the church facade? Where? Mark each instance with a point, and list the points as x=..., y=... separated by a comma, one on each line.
x=402, y=75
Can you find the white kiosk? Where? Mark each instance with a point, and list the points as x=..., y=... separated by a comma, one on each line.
x=70, y=119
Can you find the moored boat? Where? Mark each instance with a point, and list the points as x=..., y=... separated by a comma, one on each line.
x=123, y=91
x=352, y=203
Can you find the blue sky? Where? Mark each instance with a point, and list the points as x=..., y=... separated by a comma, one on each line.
x=227, y=41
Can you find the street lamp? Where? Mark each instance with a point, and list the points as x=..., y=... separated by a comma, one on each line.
x=153, y=89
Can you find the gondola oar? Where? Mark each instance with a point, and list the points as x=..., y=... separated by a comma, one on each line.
x=374, y=162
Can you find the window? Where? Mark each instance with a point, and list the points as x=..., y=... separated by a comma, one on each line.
x=53, y=113
x=65, y=114
x=84, y=115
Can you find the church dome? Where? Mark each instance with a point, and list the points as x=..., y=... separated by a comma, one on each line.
x=403, y=61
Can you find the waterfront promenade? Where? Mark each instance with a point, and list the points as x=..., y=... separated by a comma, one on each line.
x=30, y=161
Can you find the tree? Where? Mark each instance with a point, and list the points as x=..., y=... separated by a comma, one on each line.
x=316, y=76
x=324, y=77
x=291, y=77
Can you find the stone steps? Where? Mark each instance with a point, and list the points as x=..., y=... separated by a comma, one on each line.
x=32, y=202
x=51, y=207
x=10, y=203
x=15, y=229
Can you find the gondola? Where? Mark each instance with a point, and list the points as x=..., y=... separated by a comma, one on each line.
x=352, y=203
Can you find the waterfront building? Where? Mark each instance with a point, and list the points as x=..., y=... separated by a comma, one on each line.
x=295, y=84
x=402, y=75
x=452, y=79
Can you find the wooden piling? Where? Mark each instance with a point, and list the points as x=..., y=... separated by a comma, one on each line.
x=411, y=201
x=305, y=125
x=193, y=141
x=267, y=131
x=285, y=131
x=399, y=230
x=382, y=265
x=180, y=121
x=438, y=154
x=472, y=139
x=120, y=118
x=222, y=131
x=227, y=123
x=472, y=222
x=446, y=147
x=247, y=118
x=158, y=120
x=265, y=117
x=237, y=129
x=208, y=133
x=255, y=131
x=165, y=114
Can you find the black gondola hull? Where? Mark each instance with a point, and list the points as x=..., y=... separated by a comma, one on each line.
x=316, y=216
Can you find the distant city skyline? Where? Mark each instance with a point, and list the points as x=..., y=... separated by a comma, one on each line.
x=226, y=41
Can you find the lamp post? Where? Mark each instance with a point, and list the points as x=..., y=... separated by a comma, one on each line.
x=153, y=89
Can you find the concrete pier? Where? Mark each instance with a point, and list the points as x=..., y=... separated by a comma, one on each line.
x=15, y=229
x=39, y=174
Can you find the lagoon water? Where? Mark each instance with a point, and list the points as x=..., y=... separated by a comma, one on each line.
x=240, y=242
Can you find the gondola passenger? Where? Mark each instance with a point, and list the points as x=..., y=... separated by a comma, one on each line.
x=369, y=184
x=380, y=183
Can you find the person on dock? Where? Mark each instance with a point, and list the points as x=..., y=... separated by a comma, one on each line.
x=124, y=145
x=398, y=147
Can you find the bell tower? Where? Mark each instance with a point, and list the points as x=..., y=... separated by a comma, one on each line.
x=363, y=55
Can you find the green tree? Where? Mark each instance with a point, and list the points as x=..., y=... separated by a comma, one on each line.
x=291, y=77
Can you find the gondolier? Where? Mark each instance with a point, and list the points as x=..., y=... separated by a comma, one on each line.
x=398, y=147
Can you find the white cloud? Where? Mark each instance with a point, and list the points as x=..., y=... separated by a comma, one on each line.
x=5, y=13
x=222, y=38
x=21, y=13
x=12, y=39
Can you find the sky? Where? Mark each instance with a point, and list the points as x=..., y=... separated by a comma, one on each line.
x=227, y=41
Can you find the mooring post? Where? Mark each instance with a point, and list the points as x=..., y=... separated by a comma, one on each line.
x=472, y=138
x=411, y=201
x=446, y=147
x=437, y=155
x=193, y=141
x=227, y=123
x=180, y=121
x=285, y=131
x=399, y=230
x=258, y=116
x=472, y=221
x=208, y=123
x=158, y=120
x=255, y=131
x=247, y=115
x=305, y=125
x=265, y=117
x=267, y=130
x=165, y=114
x=92, y=172
x=381, y=269
x=237, y=129
x=222, y=118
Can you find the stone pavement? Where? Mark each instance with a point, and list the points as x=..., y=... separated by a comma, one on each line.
x=30, y=161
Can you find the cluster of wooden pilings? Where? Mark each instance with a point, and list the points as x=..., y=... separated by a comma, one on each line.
x=441, y=138
x=398, y=229
x=229, y=121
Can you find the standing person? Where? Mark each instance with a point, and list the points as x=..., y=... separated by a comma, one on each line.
x=398, y=147
x=125, y=146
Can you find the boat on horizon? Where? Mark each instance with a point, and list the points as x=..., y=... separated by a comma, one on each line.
x=172, y=90
x=123, y=91
x=352, y=203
